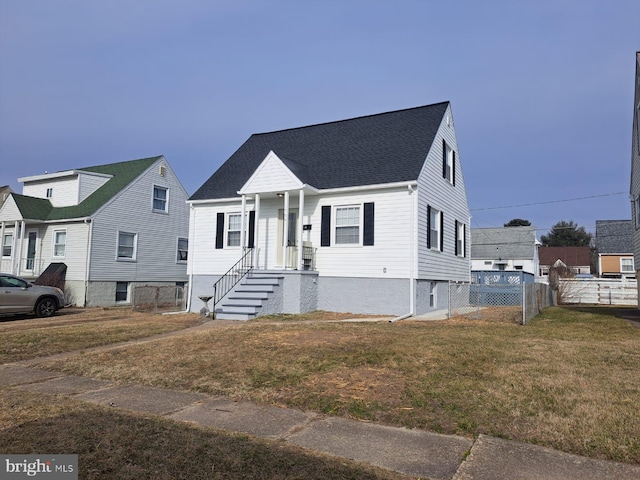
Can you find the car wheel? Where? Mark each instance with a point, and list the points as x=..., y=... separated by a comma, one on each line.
x=46, y=307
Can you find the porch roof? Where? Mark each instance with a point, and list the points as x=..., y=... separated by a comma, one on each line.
x=123, y=173
x=377, y=149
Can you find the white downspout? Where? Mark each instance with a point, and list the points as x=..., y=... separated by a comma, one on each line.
x=412, y=256
x=300, y=220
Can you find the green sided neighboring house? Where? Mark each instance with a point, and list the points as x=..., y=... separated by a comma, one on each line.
x=112, y=226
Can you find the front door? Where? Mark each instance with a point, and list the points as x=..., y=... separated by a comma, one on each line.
x=287, y=257
x=31, y=251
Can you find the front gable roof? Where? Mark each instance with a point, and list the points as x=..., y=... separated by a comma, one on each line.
x=614, y=236
x=122, y=174
x=274, y=175
x=377, y=149
x=570, y=256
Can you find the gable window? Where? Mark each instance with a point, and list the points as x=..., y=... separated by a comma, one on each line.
x=234, y=225
x=122, y=291
x=49, y=192
x=59, y=243
x=348, y=225
x=127, y=245
x=183, y=249
x=448, y=163
x=435, y=220
x=160, y=195
x=7, y=244
x=626, y=265
x=460, y=233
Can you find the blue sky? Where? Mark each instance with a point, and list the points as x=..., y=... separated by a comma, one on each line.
x=541, y=91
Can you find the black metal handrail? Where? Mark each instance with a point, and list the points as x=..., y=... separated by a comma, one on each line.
x=230, y=279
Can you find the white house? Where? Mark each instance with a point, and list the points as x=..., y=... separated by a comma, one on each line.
x=366, y=215
x=505, y=248
x=113, y=227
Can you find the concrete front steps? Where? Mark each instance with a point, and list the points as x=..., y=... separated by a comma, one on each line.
x=246, y=299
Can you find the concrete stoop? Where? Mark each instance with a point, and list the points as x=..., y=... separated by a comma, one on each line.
x=246, y=299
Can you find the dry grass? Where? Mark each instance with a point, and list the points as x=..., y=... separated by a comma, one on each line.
x=568, y=381
x=79, y=329
x=112, y=444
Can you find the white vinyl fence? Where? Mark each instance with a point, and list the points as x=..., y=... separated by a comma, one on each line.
x=601, y=291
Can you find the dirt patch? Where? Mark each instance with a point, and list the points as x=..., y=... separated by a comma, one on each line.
x=366, y=384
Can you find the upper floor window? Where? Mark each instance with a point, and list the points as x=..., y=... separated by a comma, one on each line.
x=127, y=245
x=448, y=163
x=59, y=243
x=434, y=228
x=348, y=225
x=49, y=192
x=183, y=249
x=160, y=197
x=7, y=244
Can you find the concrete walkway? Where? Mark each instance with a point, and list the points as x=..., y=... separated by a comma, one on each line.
x=413, y=452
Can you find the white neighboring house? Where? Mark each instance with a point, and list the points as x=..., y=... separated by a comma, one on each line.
x=505, y=248
x=113, y=226
x=365, y=215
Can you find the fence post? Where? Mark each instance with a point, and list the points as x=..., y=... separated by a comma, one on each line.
x=449, y=300
x=524, y=303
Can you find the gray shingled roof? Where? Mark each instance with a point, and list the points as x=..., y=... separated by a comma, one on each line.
x=376, y=149
x=503, y=243
x=614, y=236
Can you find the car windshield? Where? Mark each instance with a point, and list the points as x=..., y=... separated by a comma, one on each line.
x=12, y=282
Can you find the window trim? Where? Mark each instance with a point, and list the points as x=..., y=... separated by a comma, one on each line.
x=433, y=300
x=165, y=200
x=178, y=259
x=436, y=244
x=227, y=229
x=632, y=265
x=9, y=246
x=134, y=254
x=126, y=300
x=334, y=226
x=461, y=240
x=54, y=243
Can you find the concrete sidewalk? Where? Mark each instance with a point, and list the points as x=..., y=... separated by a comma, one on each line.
x=413, y=452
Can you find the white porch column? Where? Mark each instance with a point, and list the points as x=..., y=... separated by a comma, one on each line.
x=22, y=229
x=300, y=221
x=243, y=223
x=256, y=251
x=285, y=234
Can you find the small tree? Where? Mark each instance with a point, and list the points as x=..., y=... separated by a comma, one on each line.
x=518, y=222
x=566, y=234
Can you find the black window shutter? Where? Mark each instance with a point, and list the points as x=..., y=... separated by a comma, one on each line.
x=428, y=226
x=325, y=226
x=464, y=241
x=252, y=229
x=368, y=234
x=456, y=238
x=220, y=230
x=441, y=231
x=444, y=159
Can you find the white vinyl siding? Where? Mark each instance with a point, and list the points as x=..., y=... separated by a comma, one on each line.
x=59, y=243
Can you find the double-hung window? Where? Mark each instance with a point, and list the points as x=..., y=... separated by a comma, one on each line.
x=59, y=243
x=348, y=225
x=448, y=163
x=160, y=199
x=7, y=244
x=460, y=239
x=183, y=249
x=434, y=228
x=127, y=245
x=234, y=227
x=626, y=265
